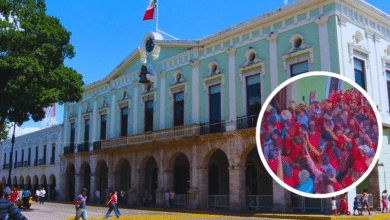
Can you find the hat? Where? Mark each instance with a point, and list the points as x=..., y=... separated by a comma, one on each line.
x=84, y=189
x=286, y=114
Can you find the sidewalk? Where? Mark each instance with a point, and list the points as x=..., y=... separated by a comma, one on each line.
x=247, y=213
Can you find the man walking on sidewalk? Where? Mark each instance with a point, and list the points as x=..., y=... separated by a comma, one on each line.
x=43, y=194
x=80, y=203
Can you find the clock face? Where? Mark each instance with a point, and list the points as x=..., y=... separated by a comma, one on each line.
x=149, y=45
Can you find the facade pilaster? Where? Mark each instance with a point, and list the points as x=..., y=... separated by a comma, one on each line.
x=93, y=187
x=135, y=104
x=78, y=184
x=273, y=53
x=372, y=68
x=140, y=185
x=231, y=126
x=94, y=121
x=65, y=141
x=78, y=125
x=195, y=91
x=237, y=188
x=162, y=100
x=324, y=42
x=112, y=128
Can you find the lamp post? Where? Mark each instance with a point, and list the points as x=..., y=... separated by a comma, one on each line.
x=10, y=158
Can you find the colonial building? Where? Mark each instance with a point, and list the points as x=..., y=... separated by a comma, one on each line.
x=35, y=160
x=189, y=123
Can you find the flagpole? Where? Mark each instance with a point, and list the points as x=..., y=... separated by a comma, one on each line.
x=157, y=16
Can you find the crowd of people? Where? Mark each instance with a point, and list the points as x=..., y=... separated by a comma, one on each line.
x=321, y=147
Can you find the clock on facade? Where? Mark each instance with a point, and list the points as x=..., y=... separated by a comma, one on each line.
x=149, y=45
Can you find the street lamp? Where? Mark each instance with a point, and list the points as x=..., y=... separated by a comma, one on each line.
x=10, y=158
x=384, y=173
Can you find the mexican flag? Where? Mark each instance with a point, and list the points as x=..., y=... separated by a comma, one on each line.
x=149, y=14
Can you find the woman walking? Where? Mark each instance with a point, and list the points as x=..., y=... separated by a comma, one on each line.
x=384, y=201
x=112, y=205
x=365, y=202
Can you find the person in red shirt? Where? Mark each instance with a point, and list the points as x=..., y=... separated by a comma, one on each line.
x=112, y=205
x=14, y=195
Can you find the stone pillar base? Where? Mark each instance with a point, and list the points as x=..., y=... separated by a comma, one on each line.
x=193, y=198
x=160, y=197
x=282, y=199
x=131, y=197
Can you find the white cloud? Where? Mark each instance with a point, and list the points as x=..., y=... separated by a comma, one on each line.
x=22, y=131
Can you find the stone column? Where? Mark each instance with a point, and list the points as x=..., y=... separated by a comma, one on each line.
x=131, y=196
x=195, y=91
x=139, y=183
x=162, y=100
x=324, y=42
x=282, y=199
x=112, y=112
x=273, y=60
x=373, y=68
x=373, y=180
x=193, y=192
x=203, y=187
x=231, y=125
x=351, y=198
x=93, y=187
x=111, y=181
x=78, y=186
x=237, y=188
x=135, y=106
x=65, y=140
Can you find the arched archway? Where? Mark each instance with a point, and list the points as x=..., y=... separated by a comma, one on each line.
x=181, y=183
x=102, y=180
x=15, y=182
x=21, y=183
x=151, y=177
x=52, y=187
x=123, y=173
x=218, y=183
x=28, y=184
x=85, y=172
x=70, y=181
x=257, y=179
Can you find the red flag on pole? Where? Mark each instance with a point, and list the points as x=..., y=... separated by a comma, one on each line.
x=149, y=14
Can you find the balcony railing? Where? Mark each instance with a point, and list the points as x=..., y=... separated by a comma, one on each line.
x=211, y=128
x=20, y=164
x=247, y=121
x=35, y=163
x=15, y=165
x=191, y=130
x=51, y=161
x=303, y=204
x=260, y=201
x=42, y=162
x=97, y=145
x=5, y=166
x=181, y=200
x=84, y=147
x=26, y=163
x=69, y=149
x=215, y=201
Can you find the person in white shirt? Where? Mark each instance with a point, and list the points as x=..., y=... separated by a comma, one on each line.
x=97, y=196
x=42, y=195
x=37, y=193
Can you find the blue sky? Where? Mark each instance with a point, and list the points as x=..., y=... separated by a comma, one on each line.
x=104, y=33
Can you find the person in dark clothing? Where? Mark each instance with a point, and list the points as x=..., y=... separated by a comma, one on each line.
x=26, y=198
x=7, y=208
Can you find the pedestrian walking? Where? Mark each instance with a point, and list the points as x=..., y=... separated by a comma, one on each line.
x=385, y=201
x=334, y=205
x=14, y=195
x=7, y=208
x=365, y=202
x=43, y=195
x=97, y=196
x=355, y=205
x=37, y=192
x=123, y=197
x=26, y=198
x=343, y=205
x=112, y=205
x=166, y=199
x=172, y=196
x=80, y=203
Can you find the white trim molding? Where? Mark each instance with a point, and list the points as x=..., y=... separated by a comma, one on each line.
x=293, y=56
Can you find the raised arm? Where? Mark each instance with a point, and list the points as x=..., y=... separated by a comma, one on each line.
x=334, y=137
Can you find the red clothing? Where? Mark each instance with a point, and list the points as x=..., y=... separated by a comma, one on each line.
x=290, y=181
x=113, y=198
x=339, y=142
x=347, y=181
x=334, y=163
x=337, y=186
x=14, y=196
x=288, y=146
x=296, y=153
x=343, y=205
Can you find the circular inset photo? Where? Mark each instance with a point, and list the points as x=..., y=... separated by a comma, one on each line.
x=319, y=134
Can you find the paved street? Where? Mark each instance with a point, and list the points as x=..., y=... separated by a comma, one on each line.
x=54, y=211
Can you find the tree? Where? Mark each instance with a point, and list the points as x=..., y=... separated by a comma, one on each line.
x=33, y=47
x=4, y=132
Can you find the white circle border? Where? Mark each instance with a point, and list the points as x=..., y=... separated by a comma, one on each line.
x=281, y=182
